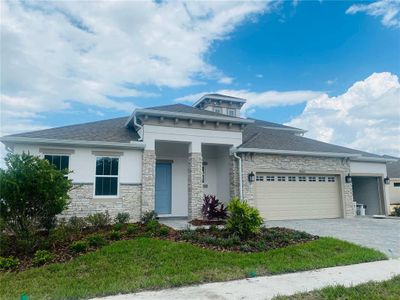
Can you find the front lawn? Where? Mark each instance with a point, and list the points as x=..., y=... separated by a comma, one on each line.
x=148, y=263
x=389, y=289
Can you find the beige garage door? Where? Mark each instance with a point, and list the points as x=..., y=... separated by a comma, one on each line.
x=293, y=196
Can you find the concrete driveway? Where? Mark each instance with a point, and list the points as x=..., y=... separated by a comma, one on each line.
x=380, y=234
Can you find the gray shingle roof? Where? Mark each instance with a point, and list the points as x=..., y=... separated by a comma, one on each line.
x=393, y=168
x=112, y=130
x=263, y=138
x=262, y=123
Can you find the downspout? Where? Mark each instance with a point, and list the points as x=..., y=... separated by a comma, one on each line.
x=240, y=175
x=138, y=125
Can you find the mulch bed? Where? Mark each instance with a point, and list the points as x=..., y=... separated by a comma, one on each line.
x=199, y=222
x=267, y=239
x=62, y=253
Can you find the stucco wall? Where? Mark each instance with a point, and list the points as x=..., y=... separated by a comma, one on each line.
x=297, y=164
x=82, y=162
x=394, y=192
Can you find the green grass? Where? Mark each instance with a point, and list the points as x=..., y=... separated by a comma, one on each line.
x=389, y=289
x=145, y=263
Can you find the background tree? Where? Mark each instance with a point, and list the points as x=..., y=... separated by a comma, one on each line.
x=32, y=193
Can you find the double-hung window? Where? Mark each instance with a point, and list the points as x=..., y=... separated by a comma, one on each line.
x=106, y=183
x=61, y=162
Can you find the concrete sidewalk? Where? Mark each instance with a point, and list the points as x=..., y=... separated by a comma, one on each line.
x=269, y=286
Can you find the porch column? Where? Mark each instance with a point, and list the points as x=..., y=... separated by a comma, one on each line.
x=195, y=183
x=148, y=180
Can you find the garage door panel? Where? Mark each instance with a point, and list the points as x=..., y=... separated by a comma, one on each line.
x=279, y=200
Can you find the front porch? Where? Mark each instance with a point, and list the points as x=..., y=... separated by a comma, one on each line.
x=178, y=174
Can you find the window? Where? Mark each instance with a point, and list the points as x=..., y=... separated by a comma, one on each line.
x=61, y=162
x=203, y=172
x=396, y=185
x=312, y=178
x=281, y=178
x=259, y=178
x=321, y=178
x=106, y=183
x=302, y=178
x=292, y=178
x=331, y=179
x=231, y=112
x=218, y=110
x=270, y=178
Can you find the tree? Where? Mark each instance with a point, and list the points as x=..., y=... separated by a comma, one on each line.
x=32, y=193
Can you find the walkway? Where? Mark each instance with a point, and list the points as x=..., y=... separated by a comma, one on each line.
x=269, y=286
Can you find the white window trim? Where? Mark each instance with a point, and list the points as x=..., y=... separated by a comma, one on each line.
x=233, y=112
x=95, y=176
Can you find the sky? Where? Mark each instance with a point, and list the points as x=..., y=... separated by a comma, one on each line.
x=329, y=67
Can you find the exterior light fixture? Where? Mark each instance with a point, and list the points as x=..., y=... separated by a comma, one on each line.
x=386, y=180
x=348, y=178
x=251, y=177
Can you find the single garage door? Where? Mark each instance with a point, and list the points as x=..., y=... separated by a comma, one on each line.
x=294, y=196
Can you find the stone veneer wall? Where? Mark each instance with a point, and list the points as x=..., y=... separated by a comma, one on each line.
x=148, y=180
x=82, y=202
x=234, y=189
x=253, y=162
x=195, y=185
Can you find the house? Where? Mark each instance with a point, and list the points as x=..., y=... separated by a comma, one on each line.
x=166, y=158
x=393, y=171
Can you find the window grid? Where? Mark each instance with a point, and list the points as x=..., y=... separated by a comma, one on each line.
x=281, y=178
x=302, y=178
x=259, y=178
x=291, y=178
x=217, y=109
x=321, y=178
x=270, y=178
x=312, y=178
x=331, y=179
x=231, y=112
x=106, y=182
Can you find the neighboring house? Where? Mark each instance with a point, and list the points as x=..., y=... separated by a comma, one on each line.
x=393, y=170
x=166, y=158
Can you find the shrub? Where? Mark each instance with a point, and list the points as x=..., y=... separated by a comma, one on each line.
x=212, y=208
x=152, y=226
x=79, y=246
x=164, y=231
x=131, y=229
x=8, y=263
x=122, y=218
x=41, y=257
x=115, y=235
x=99, y=220
x=60, y=234
x=149, y=216
x=396, y=212
x=243, y=220
x=5, y=244
x=77, y=224
x=32, y=193
x=118, y=226
x=96, y=240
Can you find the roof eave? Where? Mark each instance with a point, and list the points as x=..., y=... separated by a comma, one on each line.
x=351, y=156
x=161, y=113
x=64, y=142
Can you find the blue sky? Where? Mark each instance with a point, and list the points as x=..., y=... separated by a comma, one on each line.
x=330, y=67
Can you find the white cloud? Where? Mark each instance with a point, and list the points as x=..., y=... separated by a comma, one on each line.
x=226, y=80
x=259, y=75
x=264, y=99
x=330, y=81
x=388, y=10
x=365, y=117
x=100, y=53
